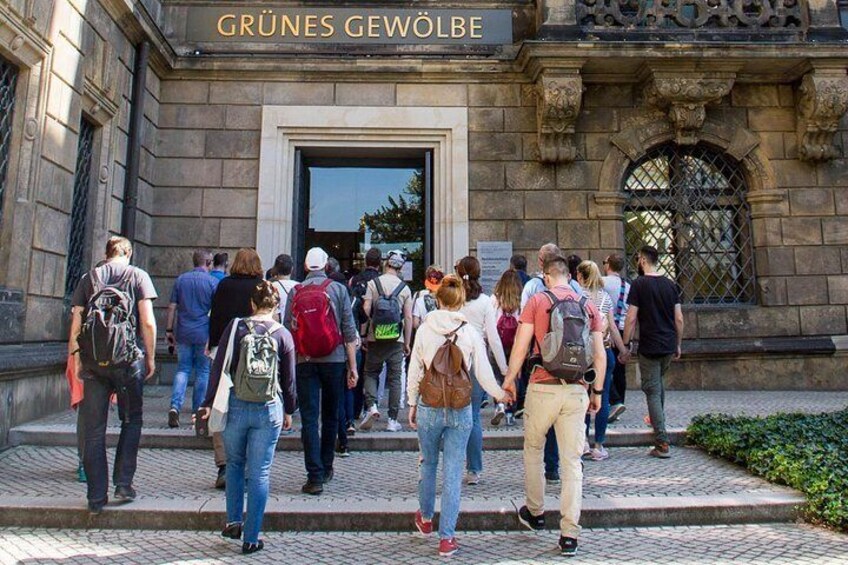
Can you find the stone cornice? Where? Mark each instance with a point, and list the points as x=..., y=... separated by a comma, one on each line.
x=20, y=38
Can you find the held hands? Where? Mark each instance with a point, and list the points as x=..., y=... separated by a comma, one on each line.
x=510, y=389
x=413, y=417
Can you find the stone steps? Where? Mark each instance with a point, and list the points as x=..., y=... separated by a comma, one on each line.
x=162, y=438
x=377, y=491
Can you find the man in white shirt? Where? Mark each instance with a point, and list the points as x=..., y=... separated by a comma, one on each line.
x=618, y=288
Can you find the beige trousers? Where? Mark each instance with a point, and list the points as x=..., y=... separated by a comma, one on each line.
x=563, y=407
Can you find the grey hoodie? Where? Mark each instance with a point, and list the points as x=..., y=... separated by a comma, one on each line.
x=431, y=336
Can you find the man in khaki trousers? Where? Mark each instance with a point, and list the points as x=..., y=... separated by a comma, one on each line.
x=552, y=402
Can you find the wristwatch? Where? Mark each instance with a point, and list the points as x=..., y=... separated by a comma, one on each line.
x=598, y=392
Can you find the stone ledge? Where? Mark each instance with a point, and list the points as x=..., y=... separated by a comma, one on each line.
x=824, y=345
x=209, y=514
x=31, y=359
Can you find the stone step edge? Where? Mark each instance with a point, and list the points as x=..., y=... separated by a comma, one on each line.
x=63, y=435
x=335, y=515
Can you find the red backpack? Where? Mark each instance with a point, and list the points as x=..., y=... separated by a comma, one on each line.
x=313, y=322
x=507, y=328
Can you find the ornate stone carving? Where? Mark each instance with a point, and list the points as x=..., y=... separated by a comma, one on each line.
x=558, y=105
x=693, y=14
x=684, y=98
x=822, y=101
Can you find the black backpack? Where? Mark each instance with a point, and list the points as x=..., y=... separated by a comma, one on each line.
x=357, y=292
x=107, y=338
x=386, y=314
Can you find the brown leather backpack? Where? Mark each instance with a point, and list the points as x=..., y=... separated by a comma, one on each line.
x=446, y=382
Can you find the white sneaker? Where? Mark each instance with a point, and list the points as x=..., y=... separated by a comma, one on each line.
x=394, y=426
x=472, y=478
x=368, y=420
x=600, y=454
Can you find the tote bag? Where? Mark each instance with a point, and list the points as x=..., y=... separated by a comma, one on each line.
x=221, y=404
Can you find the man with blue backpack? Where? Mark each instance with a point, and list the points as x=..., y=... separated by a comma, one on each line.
x=388, y=303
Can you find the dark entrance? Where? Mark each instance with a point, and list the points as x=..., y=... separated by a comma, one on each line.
x=347, y=202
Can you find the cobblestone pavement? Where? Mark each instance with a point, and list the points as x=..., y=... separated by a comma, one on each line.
x=681, y=406
x=380, y=476
x=756, y=544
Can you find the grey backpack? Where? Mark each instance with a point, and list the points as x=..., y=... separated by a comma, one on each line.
x=566, y=350
x=256, y=377
x=386, y=314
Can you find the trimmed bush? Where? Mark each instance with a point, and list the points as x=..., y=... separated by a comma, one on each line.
x=808, y=452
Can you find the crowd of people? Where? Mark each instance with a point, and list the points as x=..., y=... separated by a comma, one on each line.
x=548, y=348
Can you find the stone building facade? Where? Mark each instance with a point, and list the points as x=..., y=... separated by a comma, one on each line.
x=717, y=131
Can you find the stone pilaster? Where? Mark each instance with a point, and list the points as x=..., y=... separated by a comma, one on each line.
x=560, y=95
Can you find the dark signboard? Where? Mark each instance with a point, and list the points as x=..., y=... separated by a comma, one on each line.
x=265, y=23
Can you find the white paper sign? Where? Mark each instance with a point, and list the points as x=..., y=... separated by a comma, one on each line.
x=406, y=271
x=494, y=259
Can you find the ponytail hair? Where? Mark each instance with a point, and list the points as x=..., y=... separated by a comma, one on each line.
x=468, y=269
x=451, y=293
x=591, y=275
x=265, y=296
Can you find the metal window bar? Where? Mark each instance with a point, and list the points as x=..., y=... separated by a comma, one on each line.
x=689, y=203
x=8, y=80
x=76, y=265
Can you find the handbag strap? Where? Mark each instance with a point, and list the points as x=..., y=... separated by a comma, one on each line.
x=228, y=354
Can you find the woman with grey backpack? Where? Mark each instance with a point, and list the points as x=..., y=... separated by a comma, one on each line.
x=256, y=357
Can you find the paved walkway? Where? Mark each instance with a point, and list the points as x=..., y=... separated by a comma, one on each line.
x=788, y=544
x=681, y=407
x=390, y=477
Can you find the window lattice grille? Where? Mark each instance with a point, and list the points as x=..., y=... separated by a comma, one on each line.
x=8, y=78
x=79, y=209
x=689, y=203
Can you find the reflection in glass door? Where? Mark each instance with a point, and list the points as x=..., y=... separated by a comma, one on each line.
x=348, y=205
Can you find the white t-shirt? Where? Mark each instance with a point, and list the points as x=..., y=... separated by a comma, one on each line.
x=419, y=307
x=284, y=287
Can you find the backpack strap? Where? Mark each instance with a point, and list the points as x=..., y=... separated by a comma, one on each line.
x=619, y=307
x=96, y=281
x=398, y=289
x=379, y=287
x=454, y=333
x=326, y=284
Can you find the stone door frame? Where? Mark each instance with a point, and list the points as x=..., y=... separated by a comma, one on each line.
x=288, y=128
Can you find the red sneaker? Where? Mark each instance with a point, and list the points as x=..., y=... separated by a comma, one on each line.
x=424, y=526
x=448, y=547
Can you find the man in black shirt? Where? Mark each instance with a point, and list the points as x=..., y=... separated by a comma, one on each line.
x=655, y=303
x=358, y=288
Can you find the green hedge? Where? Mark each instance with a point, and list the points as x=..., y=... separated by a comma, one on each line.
x=808, y=452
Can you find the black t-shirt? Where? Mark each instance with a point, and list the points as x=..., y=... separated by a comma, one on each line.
x=655, y=297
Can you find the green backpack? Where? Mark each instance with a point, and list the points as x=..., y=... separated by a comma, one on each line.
x=256, y=377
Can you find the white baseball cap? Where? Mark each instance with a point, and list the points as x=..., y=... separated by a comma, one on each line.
x=396, y=259
x=316, y=259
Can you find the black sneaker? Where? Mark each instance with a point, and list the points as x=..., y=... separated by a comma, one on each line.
x=173, y=418
x=534, y=523
x=312, y=488
x=124, y=493
x=221, y=480
x=95, y=508
x=351, y=429
x=328, y=476
x=567, y=546
x=342, y=451
x=248, y=548
x=232, y=530
x=552, y=478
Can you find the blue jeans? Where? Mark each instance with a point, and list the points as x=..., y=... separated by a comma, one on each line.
x=320, y=386
x=448, y=428
x=602, y=417
x=128, y=384
x=345, y=414
x=190, y=358
x=551, y=454
x=474, y=450
x=250, y=439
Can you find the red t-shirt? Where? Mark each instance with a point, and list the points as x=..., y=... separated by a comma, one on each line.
x=536, y=312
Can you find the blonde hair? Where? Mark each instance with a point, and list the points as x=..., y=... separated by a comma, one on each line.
x=451, y=293
x=508, y=291
x=591, y=275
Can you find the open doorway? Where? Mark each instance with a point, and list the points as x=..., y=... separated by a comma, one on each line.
x=349, y=201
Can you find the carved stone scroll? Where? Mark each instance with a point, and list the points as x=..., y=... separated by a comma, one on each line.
x=684, y=98
x=822, y=101
x=560, y=96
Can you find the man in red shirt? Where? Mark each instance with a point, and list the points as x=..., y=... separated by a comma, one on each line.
x=553, y=402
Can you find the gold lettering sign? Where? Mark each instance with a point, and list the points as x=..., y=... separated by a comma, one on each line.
x=264, y=24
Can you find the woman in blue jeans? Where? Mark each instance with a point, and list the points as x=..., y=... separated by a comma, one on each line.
x=250, y=436
x=589, y=277
x=444, y=426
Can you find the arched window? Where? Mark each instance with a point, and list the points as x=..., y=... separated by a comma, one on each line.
x=689, y=203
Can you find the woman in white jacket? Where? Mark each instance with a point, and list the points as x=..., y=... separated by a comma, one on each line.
x=445, y=426
x=482, y=315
